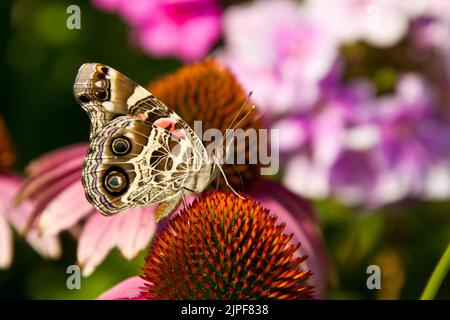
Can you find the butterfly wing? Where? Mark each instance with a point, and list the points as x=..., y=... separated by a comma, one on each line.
x=132, y=162
x=140, y=151
x=105, y=93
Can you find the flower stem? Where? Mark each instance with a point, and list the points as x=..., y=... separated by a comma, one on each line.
x=437, y=277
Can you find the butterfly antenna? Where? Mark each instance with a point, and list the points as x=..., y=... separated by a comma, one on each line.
x=227, y=132
x=247, y=99
x=240, y=121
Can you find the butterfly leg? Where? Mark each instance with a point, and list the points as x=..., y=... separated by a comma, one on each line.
x=183, y=197
x=227, y=183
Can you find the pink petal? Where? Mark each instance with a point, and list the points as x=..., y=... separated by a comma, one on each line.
x=275, y=190
x=127, y=289
x=107, y=5
x=8, y=188
x=56, y=158
x=46, y=246
x=196, y=37
x=35, y=185
x=96, y=240
x=18, y=216
x=190, y=41
x=138, y=12
x=43, y=199
x=158, y=40
x=49, y=246
x=6, y=243
x=136, y=229
x=299, y=219
x=65, y=210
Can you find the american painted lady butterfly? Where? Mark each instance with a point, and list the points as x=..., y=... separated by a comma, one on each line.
x=140, y=151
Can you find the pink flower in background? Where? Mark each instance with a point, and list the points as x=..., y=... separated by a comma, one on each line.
x=46, y=246
x=325, y=132
x=432, y=31
x=278, y=53
x=186, y=29
x=371, y=150
x=439, y=9
x=410, y=141
x=414, y=138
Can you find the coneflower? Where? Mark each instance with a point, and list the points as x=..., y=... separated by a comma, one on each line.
x=7, y=155
x=18, y=217
x=223, y=247
x=204, y=91
x=6, y=160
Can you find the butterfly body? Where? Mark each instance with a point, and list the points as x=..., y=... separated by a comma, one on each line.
x=140, y=151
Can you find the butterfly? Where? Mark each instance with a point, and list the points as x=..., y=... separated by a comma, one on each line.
x=140, y=151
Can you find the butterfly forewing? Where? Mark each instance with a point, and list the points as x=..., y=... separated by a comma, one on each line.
x=105, y=93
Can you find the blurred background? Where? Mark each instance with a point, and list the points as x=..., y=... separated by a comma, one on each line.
x=363, y=86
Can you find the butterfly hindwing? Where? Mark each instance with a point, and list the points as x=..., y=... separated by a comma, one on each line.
x=126, y=158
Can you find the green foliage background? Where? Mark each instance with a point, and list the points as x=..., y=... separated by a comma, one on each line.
x=40, y=58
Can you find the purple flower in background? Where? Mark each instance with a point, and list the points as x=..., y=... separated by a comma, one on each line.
x=325, y=134
x=414, y=138
x=278, y=53
x=431, y=35
x=408, y=139
x=372, y=150
x=186, y=29
x=438, y=8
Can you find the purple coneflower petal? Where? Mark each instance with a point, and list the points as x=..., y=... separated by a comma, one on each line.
x=40, y=182
x=300, y=220
x=136, y=228
x=65, y=210
x=51, y=175
x=19, y=217
x=59, y=203
x=130, y=232
x=46, y=246
x=96, y=240
x=47, y=195
x=6, y=243
x=128, y=289
x=56, y=158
